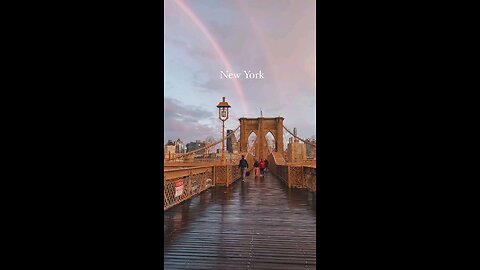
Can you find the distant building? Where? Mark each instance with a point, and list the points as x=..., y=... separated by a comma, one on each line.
x=296, y=151
x=192, y=146
x=169, y=150
x=232, y=143
x=270, y=144
x=310, y=148
x=228, y=156
x=180, y=147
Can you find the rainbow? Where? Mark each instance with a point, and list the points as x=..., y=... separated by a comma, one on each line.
x=218, y=49
x=260, y=37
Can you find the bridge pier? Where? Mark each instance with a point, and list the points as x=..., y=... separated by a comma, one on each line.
x=261, y=126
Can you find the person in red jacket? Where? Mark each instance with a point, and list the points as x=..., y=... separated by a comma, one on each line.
x=262, y=166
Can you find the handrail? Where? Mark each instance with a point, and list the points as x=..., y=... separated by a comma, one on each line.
x=189, y=168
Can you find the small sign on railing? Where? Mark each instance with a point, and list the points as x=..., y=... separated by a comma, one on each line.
x=178, y=188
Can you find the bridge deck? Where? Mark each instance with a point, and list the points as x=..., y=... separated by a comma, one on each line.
x=256, y=224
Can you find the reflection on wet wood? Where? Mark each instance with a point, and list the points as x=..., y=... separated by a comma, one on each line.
x=257, y=224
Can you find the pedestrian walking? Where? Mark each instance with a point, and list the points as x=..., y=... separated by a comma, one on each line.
x=262, y=167
x=255, y=166
x=266, y=166
x=243, y=165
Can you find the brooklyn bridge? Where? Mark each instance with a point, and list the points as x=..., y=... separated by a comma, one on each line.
x=214, y=220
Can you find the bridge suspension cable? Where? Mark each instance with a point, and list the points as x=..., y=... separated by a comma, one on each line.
x=312, y=144
x=205, y=147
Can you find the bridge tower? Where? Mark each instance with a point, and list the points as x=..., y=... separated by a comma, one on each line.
x=261, y=126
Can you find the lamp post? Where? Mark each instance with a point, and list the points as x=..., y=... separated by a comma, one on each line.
x=223, y=116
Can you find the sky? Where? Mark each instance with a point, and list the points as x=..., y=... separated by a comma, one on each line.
x=204, y=37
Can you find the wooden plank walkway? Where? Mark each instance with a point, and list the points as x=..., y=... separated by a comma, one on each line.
x=256, y=224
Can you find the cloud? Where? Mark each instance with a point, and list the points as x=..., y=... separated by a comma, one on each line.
x=206, y=82
x=186, y=122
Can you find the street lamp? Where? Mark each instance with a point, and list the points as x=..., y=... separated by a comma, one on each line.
x=223, y=116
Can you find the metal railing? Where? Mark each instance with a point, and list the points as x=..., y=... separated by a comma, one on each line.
x=310, y=177
x=229, y=158
x=183, y=183
x=294, y=175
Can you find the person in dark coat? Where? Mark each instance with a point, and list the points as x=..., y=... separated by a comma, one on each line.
x=243, y=165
